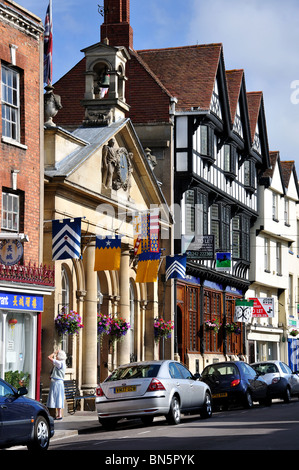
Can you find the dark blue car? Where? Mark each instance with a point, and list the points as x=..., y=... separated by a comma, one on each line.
x=235, y=382
x=23, y=421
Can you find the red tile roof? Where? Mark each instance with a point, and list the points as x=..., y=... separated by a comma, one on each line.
x=234, y=82
x=188, y=73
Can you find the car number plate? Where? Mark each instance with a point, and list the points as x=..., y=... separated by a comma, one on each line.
x=219, y=395
x=131, y=388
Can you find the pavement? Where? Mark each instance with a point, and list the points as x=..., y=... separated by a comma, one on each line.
x=78, y=423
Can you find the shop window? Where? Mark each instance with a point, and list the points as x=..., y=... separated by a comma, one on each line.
x=193, y=318
x=133, y=356
x=212, y=312
x=66, y=342
x=234, y=341
x=18, y=357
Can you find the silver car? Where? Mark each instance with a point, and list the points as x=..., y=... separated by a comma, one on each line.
x=282, y=382
x=147, y=389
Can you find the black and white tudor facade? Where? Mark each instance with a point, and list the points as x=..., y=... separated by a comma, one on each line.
x=218, y=160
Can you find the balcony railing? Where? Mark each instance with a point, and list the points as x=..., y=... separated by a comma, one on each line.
x=30, y=274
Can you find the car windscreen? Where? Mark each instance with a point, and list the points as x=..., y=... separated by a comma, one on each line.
x=221, y=369
x=265, y=368
x=134, y=372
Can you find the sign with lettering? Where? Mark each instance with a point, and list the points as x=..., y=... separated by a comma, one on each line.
x=263, y=307
x=11, y=251
x=201, y=247
x=26, y=302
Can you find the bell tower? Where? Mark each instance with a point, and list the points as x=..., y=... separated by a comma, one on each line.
x=104, y=98
x=116, y=27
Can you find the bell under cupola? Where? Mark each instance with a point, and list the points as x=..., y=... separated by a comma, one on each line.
x=105, y=79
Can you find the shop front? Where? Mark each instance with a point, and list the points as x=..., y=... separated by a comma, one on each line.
x=20, y=338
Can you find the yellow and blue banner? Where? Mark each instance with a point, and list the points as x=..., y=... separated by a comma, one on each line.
x=107, y=254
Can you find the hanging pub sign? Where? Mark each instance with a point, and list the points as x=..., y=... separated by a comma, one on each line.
x=263, y=307
x=243, y=310
x=201, y=247
x=223, y=261
x=11, y=251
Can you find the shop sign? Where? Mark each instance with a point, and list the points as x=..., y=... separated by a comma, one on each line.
x=263, y=307
x=26, y=302
x=11, y=251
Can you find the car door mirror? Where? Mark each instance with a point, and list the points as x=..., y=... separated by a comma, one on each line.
x=196, y=376
x=22, y=391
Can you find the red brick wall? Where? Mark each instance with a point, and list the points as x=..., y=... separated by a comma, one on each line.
x=71, y=88
x=27, y=161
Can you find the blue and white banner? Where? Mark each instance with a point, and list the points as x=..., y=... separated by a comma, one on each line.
x=175, y=267
x=66, y=239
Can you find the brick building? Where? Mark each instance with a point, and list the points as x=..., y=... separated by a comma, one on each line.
x=23, y=281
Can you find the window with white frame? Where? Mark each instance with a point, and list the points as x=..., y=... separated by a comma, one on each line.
x=10, y=212
x=278, y=258
x=267, y=254
x=275, y=206
x=286, y=212
x=10, y=103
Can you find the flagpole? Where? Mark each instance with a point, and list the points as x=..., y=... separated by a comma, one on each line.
x=51, y=26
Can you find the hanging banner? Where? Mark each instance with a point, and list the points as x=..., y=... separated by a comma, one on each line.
x=293, y=352
x=243, y=311
x=263, y=307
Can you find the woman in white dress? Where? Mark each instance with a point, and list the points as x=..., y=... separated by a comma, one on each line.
x=56, y=392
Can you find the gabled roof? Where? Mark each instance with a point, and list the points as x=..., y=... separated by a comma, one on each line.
x=289, y=169
x=256, y=113
x=237, y=94
x=234, y=80
x=268, y=175
x=188, y=73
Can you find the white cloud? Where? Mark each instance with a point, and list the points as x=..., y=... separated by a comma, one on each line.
x=262, y=38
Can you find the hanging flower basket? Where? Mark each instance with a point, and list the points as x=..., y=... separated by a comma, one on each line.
x=212, y=325
x=68, y=323
x=162, y=329
x=104, y=323
x=294, y=332
x=118, y=328
x=232, y=328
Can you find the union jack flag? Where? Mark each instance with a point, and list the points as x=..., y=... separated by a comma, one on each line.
x=48, y=46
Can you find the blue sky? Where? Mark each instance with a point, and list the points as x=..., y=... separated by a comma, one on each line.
x=259, y=36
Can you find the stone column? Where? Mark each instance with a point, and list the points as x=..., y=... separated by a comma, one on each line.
x=89, y=359
x=124, y=305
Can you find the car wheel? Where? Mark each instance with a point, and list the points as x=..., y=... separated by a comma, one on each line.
x=108, y=423
x=174, y=415
x=206, y=411
x=41, y=437
x=287, y=395
x=248, y=402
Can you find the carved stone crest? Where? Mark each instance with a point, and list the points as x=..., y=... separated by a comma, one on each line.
x=116, y=167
